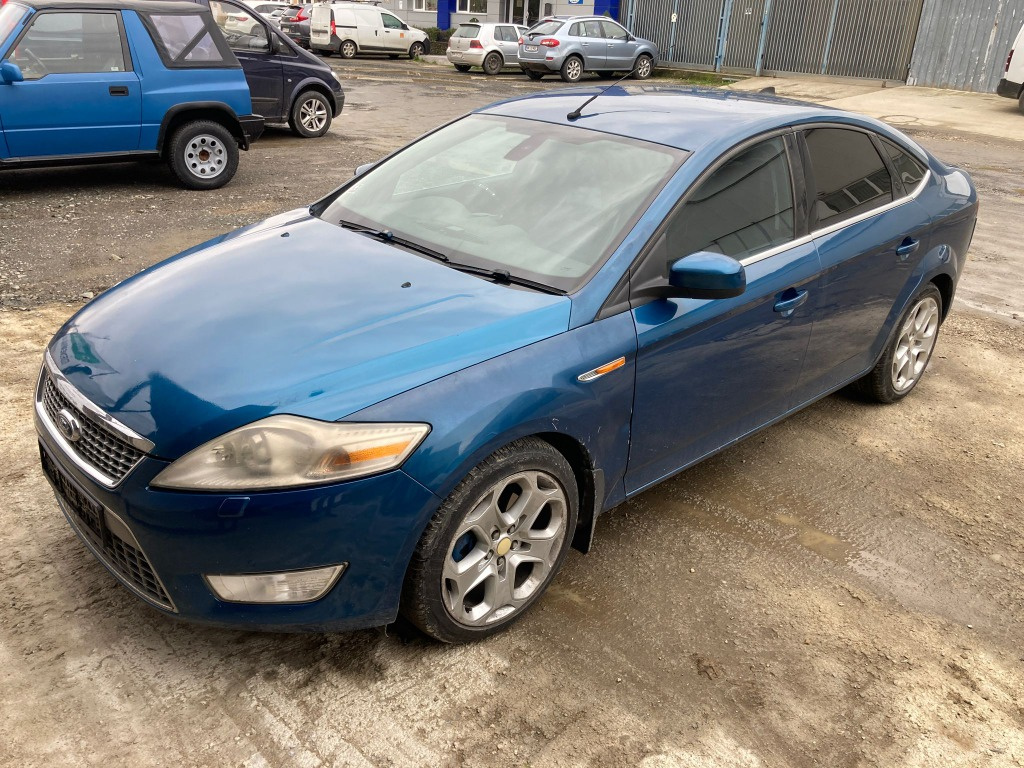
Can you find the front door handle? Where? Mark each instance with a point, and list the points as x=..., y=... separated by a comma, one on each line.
x=787, y=306
x=907, y=247
x=118, y=90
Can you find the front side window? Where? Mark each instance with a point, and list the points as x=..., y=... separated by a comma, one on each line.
x=613, y=31
x=391, y=22
x=850, y=177
x=70, y=43
x=744, y=207
x=577, y=192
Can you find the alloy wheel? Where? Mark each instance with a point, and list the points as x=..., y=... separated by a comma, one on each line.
x=313, y=115
x=504, y=548
x=915, y=344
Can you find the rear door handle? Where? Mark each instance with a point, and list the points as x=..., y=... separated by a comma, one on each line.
x=787, y=307
x=118, y=90
x=907, y=247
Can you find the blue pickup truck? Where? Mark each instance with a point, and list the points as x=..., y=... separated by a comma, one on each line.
x=113, y=80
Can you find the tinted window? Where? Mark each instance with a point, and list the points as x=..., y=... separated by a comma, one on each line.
x=391, y=22
x=909, y=170
x=744, y=207
x=70, y=43
x=849, y=175
x=614, y=31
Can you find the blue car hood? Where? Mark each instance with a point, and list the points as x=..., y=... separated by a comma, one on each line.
x=297, y=317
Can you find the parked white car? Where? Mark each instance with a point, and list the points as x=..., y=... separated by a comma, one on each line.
x=491, y=46
x=1012, y=84
x=243, y=24
x=351, y=28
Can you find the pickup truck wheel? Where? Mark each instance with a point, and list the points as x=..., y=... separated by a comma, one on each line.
x=311, y=115
x=347, y=50
x=203, y=155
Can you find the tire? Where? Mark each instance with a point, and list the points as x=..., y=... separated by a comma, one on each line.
x=348, y=49
x=513, y=479
x=572, y=69
x=900, y=368
x=533, y=75
x=416, y=50
x=203, y=155
x=643, y=67
x=493, y=63
x=462, y=67
x=310, y=115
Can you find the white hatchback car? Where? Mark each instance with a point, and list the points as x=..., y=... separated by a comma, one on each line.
x=491, y=46
x=242, y=24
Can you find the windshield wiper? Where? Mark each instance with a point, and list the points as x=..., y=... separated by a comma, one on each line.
x=497, y=275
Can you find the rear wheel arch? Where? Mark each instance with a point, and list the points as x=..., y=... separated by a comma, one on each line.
x=188, y=113
x=944, y=283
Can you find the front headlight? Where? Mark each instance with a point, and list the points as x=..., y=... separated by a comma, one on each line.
x=288, y=451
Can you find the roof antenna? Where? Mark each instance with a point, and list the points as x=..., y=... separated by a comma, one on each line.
x=575, y=114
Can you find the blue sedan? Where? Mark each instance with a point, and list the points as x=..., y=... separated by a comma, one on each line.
x=418, y=393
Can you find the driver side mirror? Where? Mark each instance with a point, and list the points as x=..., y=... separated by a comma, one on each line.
x=706, y=275
x=405, y=26
x=630, y=39
x=363, y=169
x=10, y=72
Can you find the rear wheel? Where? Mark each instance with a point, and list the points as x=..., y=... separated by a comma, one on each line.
x=203, y=155
x=416, y=50
x=462, y=67
x=347, y=49
x=643, y=67
x=493, y=63
x=906, y=358
x=533, y=75
x=572, y=69
x=494, y=545
x=311, y=115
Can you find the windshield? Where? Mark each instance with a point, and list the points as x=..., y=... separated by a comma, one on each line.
x=10, y=15
x=545, y=202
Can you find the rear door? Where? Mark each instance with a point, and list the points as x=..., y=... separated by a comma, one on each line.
x=871, y=234
x=320, y=26
x=80, y=95
x=369, y=29
x=255, y=52
x=506, y=37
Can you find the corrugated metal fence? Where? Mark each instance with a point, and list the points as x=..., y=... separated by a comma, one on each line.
x=850, y=38
x=963, y=45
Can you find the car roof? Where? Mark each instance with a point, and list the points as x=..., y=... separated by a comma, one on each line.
x=682, y=117
x=114, y=5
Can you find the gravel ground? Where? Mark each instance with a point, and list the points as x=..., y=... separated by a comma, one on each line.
x=843, y=589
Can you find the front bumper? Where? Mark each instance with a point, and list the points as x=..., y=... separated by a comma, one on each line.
x=160, y=544
x=1008, y=88
x=252, y=129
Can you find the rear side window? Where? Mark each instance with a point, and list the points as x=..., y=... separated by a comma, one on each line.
x=507, y=34
x=467, y=30
x=188, y=40
x=70, y=43
x=744, y=207
x=908, y=169
x=850, y=177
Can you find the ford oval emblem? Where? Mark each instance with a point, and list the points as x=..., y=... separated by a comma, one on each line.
x=68, y=426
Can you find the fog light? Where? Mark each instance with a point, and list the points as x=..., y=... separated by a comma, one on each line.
x=287, y=587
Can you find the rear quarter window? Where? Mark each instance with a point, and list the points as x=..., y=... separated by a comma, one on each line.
x=908, y=170
x=188, y=40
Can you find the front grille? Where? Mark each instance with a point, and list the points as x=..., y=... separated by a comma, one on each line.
x=101, y=448
x=117, y=553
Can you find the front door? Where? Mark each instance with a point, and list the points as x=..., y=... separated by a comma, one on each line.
x=79, y=96
x=621, y=51
x=395, y=36
x=711, y=371
x=254, y=50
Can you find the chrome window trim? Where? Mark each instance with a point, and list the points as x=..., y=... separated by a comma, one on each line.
x=840, y=225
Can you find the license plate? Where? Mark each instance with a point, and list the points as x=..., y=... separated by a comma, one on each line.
x=456, y=55
x=530, y=48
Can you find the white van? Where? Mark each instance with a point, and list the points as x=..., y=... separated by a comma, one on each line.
x=1012, y=84
x=351, y=28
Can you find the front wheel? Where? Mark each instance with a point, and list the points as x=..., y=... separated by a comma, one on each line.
x=347, y=49
x=572, y=69
x=203, y=155
x=643, y=67
x=533, y=75
x=311, y=115
x=494, y=545
x=416, y=50
x=909, y=351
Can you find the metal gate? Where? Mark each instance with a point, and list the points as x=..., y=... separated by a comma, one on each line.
x=850, y=38
x=965, y=45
